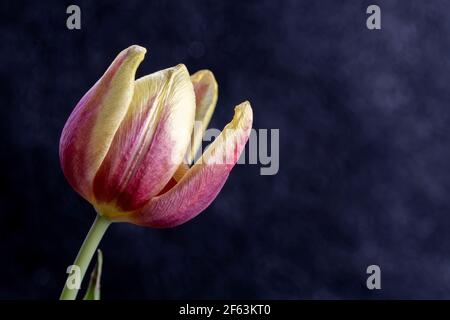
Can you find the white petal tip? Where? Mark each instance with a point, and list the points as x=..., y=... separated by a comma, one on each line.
x=136, y=50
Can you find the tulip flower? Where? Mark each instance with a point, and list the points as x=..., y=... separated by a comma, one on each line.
x=128, y=145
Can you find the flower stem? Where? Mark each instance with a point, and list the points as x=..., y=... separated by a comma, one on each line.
x=86, y=253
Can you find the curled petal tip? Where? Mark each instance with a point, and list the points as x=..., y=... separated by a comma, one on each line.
x=243, y=106
x=181, y=67
x=244, y=111
x=204, y=73
x=133, y=56
x=206, y=77
x=136, y=50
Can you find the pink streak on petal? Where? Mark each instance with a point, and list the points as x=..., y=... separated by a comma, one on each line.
x=186, y=200
x=200, y=89
x=121, y=156
x=133, y=171
x=154, y=170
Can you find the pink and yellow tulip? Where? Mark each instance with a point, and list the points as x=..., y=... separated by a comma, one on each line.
x=124, y=145
x=128, y=148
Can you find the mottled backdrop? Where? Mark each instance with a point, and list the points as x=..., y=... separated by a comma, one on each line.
x=364, y=174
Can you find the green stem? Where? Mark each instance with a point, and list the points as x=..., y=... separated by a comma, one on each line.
x=86, y=253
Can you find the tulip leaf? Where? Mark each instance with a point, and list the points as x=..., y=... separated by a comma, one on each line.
x=93, y=291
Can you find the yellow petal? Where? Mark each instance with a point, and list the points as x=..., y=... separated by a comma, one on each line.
x=116, y=102
x=206, y=92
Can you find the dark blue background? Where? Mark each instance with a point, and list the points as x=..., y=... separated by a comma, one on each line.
x=364, y=148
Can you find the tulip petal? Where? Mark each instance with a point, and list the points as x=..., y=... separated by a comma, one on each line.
x=201, y=184
x=150, y=144
x=90, y=129
x=206, y=92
